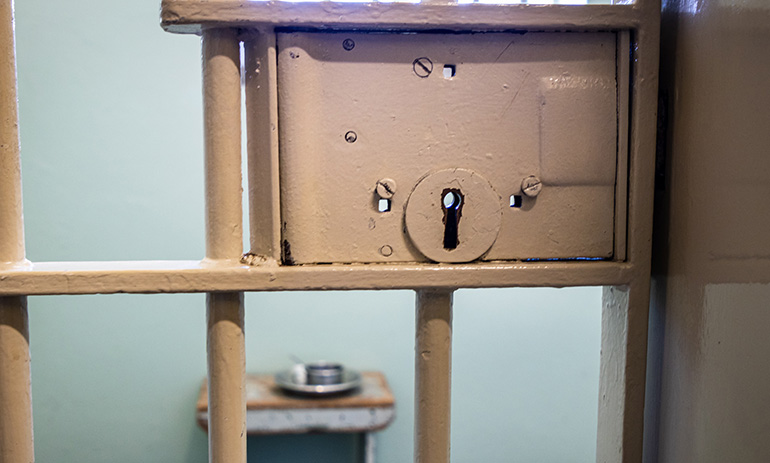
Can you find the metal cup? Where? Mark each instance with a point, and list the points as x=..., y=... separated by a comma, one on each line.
x=324, y=373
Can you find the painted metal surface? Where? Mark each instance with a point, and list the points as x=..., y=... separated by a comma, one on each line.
x=11, y=222
x=16, y=442
x=432, y=376
x=222, y=139
x=190, y=16
x=225, y=343
x=453, y=215
x=195, y=276
x=635, y=31
x=625, y=80
x=512, y=106
x=261, y=94
x=225, y=348
x=622, y=372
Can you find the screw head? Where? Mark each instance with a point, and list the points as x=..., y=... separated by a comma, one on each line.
x=422, y=67
x=386, y=188
x=348, y=44
x=386, y=251
x=351, y=137
x=531, y=186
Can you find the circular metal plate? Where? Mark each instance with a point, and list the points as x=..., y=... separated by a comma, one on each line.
x=480, y=215
x=350, y=380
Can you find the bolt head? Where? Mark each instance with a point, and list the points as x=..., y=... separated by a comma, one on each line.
x=386, y=188
x=531, y=186
x=348, y=44
x=351, y=137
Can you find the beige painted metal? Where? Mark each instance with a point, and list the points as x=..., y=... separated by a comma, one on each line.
x=710, y=381
x=433, y=376
x=621, y=176
x=479, y=210
x=16, y=443
x=188, y=16
x=260, y=77
x=221, y=274
x=16, y=439
x=222, y=136
x=224, y=244
x=542, y=104
x=193, y=276
x=622, y=372
x=623, y=360
x=11, y=223
x=226, y=373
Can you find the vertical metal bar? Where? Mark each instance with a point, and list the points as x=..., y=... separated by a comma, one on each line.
x=16, y=445
x=222, y=135
x=16, y=440
x=625, y=309
x=226, y=375
x=224, y=244
x=11, y=222
x=622, y=372
x=260, y=77
x=433, y=376
x=623, y=77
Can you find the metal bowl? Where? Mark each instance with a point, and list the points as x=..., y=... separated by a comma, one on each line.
x=324, y=373
x=349, y=381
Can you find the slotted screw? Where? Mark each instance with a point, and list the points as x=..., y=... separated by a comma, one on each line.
x=531, y=186
x=422, y=67
x=386, y=188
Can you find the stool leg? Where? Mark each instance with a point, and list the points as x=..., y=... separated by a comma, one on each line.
x=369, y=447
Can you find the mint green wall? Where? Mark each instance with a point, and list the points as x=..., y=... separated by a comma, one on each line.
x=111, y=139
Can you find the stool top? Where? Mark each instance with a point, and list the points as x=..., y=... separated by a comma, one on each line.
x=262, y=393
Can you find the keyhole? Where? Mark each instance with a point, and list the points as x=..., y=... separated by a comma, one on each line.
x=451, y=204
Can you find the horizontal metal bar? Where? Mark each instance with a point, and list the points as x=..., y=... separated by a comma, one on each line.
x=191, y=16
x=47, y=278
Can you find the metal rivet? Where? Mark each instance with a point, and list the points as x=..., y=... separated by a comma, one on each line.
x=386, y=188
x=531, y=186
x=386, y=251
x=351, y=137
x=422, y=67
x=348, y=44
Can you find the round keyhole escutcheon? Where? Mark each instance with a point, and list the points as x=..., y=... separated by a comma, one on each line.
x=463, y=197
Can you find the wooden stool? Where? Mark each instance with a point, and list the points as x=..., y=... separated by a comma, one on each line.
x=269, y=410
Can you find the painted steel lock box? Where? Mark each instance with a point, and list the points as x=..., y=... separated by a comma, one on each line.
x=450, y=147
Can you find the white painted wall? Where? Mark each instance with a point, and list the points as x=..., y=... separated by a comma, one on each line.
x=709, y=389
